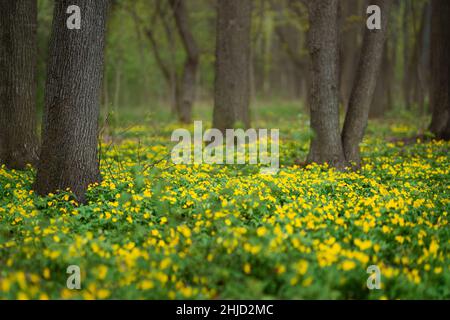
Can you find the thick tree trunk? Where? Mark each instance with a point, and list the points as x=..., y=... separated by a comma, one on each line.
x=189, y=77
x=232, y=85
x=326, y=144
x=69, y=157
x=18, y=51
x=365, y=84
x=440, y=51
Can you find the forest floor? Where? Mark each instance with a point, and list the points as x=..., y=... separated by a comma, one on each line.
x=155, y=230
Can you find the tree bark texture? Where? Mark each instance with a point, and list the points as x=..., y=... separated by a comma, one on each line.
x=232, y=84
x=440, y=52
x=187, y=87
x=365, y=83
x=18, y=53
x=326, y=144
x=69, y=157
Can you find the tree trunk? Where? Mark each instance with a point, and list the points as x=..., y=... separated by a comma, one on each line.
x=350, y=47
x=365, y=84
x=141, y=48
x=326, y=144
x=383, y=88
x=117, y=86
x=416, y=60
x=189, y=77
x=439, y=90
x=69, y=157
x=232, y=84
x=407, y=88
x=18, y=51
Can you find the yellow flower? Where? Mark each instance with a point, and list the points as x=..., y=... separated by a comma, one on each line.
x=184, y=230
x=307, y=282
x=102, y=272
x=400, y=239
x=103, y=294
x=281, y=269
x=434, y=246
x=46, y=273
x=363, y=245
x=302, y=267
x=165, y=263
x=146, y=285
x=22, y=296
x=348, y=265
x=43, y=296
x=5, y=285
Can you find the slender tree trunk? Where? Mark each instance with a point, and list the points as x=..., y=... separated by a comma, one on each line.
x=117, y=85
x=383, y=88
x=326, y=144
x=18, y=51
x=290, y=43
x=174, y=78
x=439, y=90
x=416, y=61
x=365, y=84
x=423, y=67
x=232, y=85
x=142, y=53
x=406, y=54
x=105, y=88
x=189, y=77
x=350, y=45
x=69, y=157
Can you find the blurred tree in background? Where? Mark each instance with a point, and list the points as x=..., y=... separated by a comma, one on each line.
x=145, y=72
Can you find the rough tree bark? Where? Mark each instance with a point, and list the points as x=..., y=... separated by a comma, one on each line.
x=326, y=144
x=188, y=80
x=69, y=156
x=18, y=51
x=440, y=51
x=364, y=87
x=232, y=84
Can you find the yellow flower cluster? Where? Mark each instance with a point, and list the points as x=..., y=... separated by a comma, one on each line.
x=155, y=230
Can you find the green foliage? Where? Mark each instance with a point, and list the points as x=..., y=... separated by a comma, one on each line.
x=155, y=230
